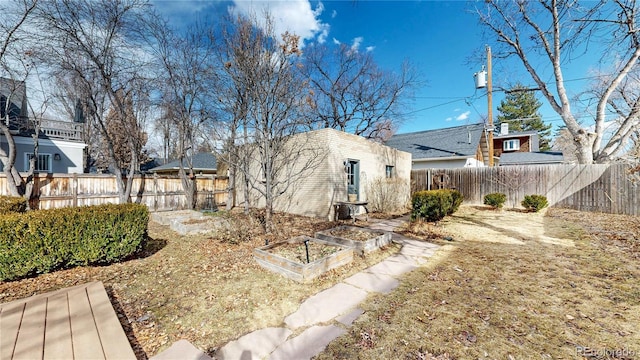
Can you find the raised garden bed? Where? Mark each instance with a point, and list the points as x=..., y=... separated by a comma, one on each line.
x=361, y=239
x=289, y=258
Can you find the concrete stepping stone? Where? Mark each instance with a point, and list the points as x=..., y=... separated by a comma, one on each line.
x=405, y=259
x=420, y=244
x=181, y=349
x=255, y=345
x=416, y=250
x=371, y=282
x=326, y=305
x=308, y=344
x=348, y=319
x=391, y=267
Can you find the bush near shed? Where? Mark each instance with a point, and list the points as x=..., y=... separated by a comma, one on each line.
x=534, y=203
x=495, y=200
x=434, y=205
x=45, y=240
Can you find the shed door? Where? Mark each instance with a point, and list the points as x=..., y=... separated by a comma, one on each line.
x=353, y=178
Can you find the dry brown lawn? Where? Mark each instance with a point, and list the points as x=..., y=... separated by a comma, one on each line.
x=199, y=288
x=510, y=285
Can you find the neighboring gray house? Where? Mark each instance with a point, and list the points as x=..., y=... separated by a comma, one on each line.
x=346, y=165
x=454, y=147
x=203, y=163
x=60, y=145
x=531, y=158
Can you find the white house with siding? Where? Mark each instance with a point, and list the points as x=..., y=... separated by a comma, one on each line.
x=60, y=145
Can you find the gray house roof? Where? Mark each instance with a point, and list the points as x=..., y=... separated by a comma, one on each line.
x=531, y=158
x=513, y=134
x=454, y=141
x=201, y=162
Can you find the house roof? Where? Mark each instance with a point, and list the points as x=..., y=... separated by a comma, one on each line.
x=448, y=142
x=201, y=161
x=513, y=134
x=531, y=158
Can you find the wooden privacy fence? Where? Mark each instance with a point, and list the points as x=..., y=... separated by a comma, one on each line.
x=158, y=192
x=602, y=187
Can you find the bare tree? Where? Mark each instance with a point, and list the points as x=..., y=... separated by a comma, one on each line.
x=126, y=132
x=15, y=68
x=351, y=93
x=548, y=34
x=266, y=106
x=187, y=82
x=238, y=54
x=72, y=98
x=98, y=42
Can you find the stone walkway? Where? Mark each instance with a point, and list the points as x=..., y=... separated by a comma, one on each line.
x=325, y=316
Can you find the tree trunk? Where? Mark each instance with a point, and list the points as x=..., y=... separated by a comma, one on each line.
x=231, y=184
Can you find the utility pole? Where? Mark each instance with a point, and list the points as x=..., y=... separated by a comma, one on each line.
x=490, y=106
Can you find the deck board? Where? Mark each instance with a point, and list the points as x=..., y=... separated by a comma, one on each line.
x=108, y=325
x=30, y=343
x=71, y=323
x=57, y=338
x=84, y=335
x=10, y=319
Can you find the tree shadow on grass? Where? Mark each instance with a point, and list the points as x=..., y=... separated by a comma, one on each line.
x=150, y=247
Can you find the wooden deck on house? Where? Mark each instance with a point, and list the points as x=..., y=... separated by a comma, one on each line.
x=71, y=323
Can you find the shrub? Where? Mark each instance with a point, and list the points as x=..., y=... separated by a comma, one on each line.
x=45, y=240
x=387, y=195
x=534, y=203
x=434, y=205
x=12, y=204
x=457, y=201
x=495, y=200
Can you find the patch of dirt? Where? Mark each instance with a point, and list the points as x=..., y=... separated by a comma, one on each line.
x=353, y=234
x=506, y=226
x=298, y=251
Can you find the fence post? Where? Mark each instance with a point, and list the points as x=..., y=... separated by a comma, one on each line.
x=155, y=191
x=74, y=180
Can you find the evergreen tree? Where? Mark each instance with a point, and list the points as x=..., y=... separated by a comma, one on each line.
x=520, y=110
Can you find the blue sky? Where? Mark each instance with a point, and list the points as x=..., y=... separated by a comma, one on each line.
x=441, y=38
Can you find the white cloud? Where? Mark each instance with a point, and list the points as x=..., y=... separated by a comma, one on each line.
x=181, y=13
x=448, y=119
x=370, y=48
x=334, y=14
x=336, y=41
x=295, y=16
x=463, y=116
x=322, y=37
x=356, y=43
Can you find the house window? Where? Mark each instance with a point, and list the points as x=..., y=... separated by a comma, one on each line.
x=510, y=145
x=43, y=162
x=389, y=171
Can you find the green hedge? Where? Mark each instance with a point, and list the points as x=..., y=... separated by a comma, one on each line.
x=45, y=240
x=495, y=200
x=534, y=203
x=12, y=204
x=434, y=205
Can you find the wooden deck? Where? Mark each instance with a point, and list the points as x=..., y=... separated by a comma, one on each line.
x=72, y=323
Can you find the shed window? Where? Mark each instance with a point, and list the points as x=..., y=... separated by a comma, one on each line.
x=389, y=171
x=509, y=145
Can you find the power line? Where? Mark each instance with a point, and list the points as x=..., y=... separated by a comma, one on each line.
x=467, y=99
